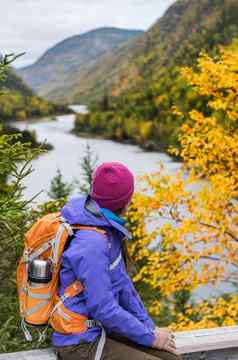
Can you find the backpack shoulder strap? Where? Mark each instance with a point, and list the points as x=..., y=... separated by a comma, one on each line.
x=116, y=262
x=94, y=228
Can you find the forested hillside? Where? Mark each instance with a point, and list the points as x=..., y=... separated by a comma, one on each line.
x=53, y=74
x=134, y=92
x=15, y=83
x=18, y=101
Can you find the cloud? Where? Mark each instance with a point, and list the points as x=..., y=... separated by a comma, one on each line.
x=35, y=25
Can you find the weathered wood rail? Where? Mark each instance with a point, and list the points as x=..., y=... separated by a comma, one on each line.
x=208, y=344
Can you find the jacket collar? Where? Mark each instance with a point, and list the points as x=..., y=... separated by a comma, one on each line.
x=93, y=208
x=112, y=216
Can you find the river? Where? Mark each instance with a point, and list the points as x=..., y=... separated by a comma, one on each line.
x=69, y=149
x=67, y=154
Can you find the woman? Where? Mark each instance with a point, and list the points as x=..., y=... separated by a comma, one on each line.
x=109, y=297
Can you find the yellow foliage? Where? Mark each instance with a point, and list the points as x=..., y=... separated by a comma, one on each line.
x=146, y=129
x=210, y=143
x=195, y=223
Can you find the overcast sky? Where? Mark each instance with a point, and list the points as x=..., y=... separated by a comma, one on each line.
x=33, y=26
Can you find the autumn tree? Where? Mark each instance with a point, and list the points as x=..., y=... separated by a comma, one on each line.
x=194, y=215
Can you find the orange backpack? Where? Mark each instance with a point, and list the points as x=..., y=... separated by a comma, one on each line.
x=40, y=304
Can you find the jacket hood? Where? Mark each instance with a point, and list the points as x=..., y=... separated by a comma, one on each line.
x=85, y=211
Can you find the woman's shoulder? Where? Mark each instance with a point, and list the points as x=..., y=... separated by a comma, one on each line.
x=88, y=241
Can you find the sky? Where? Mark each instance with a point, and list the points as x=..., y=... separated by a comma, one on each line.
x=32, y=26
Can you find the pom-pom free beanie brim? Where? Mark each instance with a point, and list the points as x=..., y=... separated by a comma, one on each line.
x=113, y=186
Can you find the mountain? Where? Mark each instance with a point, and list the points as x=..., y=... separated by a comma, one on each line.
x=186, y=28
x=59, y=63
x=18, y=101
x=134, y=88
x=15, y=83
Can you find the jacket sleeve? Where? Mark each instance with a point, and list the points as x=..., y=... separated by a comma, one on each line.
x=131, y=301
x=91, y=266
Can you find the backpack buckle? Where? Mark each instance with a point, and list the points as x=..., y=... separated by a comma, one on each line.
x=26, y=256
x=92, y=323
x=67, y=226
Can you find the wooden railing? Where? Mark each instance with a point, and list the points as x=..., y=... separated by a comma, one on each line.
x=208, y=344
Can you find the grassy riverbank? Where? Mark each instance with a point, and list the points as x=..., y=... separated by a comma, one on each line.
x=101, y=126
x=26, y=137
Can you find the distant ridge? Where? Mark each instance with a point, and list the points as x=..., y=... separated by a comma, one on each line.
x=60, y=62
x=187, y=27
x=15, y=83
x=19, y=102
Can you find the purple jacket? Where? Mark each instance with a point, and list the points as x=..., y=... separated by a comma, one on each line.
x=109, y=295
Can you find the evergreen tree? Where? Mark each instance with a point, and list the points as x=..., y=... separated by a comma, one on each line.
x=15, y=165
x=88, y=164
x=59, y=188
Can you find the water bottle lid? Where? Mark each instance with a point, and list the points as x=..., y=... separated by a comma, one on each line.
x=40, y=271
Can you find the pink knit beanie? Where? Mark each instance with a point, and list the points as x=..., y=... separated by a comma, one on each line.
x=113, y=186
